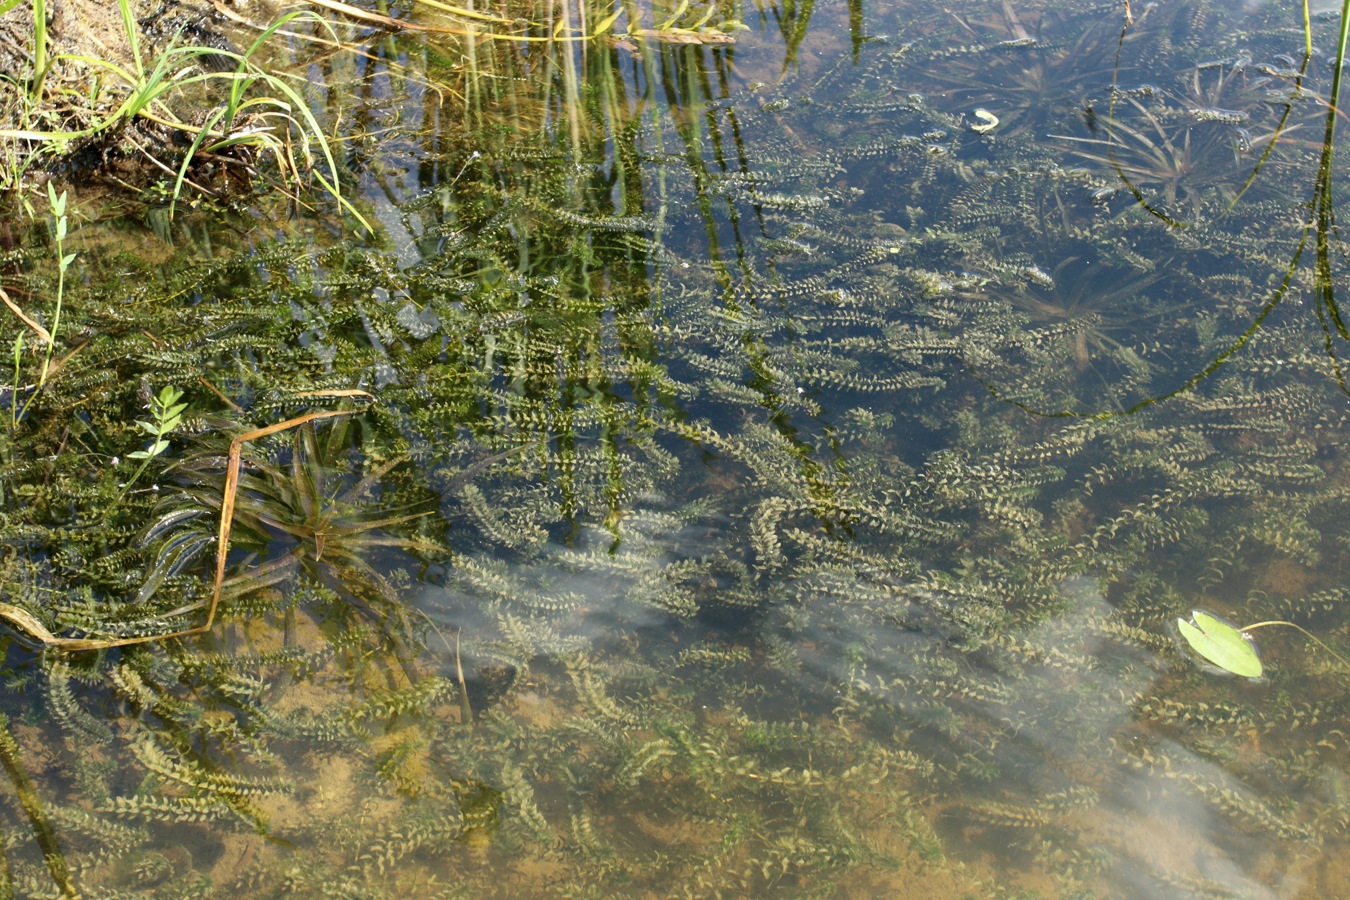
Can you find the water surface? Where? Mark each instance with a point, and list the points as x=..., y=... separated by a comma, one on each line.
x=770, y=465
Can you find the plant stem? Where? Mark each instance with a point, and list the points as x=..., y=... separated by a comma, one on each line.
x=39, y=50
x=126, y=488
x=1306, y=633
x=56, y=314
x=1307, y=30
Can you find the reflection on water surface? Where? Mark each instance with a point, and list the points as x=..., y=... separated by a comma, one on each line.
x=723, y=506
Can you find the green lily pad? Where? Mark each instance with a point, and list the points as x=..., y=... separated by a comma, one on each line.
x=1221, y=643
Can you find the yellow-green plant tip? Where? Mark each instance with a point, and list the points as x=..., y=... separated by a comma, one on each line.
x=1221, y=643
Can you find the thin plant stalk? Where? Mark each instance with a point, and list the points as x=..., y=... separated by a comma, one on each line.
x=64, y=260
x=48, y=337
x=1306, y=633
x=40, y=61
x=1307, y=29
x=133, y=37
x=14, y=397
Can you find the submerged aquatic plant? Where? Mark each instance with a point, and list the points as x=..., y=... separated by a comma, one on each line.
x=333, y=529
x=748, y=585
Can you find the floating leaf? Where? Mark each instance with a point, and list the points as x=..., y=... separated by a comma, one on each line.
x=1221, y=643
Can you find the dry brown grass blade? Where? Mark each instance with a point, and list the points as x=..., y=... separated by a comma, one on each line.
x=337, y=392
x=57, y=366
x=226, y=400
x=403, y=24
x=681, y=36
x=460, y=12
x=28, y=623
x=14, y=308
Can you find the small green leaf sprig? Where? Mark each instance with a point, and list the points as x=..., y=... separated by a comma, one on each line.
x=167, y=413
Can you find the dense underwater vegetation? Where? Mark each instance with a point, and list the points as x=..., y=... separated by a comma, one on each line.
x=755, y=475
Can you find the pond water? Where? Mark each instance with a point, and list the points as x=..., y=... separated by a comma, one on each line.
x=767, y=455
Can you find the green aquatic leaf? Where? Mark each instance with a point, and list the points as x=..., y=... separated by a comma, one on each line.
x=1221, y=643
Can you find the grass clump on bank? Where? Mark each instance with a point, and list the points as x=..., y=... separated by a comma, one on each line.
x=141, y=96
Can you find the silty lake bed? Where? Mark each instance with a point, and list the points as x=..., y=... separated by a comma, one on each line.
x=768, y=455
